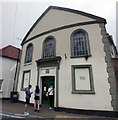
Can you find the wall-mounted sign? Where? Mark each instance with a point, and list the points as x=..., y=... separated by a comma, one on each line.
x=47, y=71
x=82, y=79
x=44, y=88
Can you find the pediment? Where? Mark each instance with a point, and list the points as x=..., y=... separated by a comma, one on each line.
x=57, y=17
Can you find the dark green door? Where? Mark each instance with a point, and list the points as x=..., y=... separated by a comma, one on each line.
x=46, y=82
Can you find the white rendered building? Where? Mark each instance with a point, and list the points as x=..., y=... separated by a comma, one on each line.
x=9, y=56
x=70, y=49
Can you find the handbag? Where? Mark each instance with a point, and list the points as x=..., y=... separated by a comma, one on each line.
x=46, y=94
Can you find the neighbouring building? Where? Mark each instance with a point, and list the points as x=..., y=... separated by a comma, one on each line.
x=115, y=63
x=113, y=49
x=9, y=57
x=114, y=55
x=70, y=49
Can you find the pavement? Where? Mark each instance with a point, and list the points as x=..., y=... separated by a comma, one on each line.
x=16, y=111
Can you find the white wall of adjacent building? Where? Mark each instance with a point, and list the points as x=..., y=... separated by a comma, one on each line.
x=7, y=74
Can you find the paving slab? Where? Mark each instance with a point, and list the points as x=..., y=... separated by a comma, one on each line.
x=18, y=109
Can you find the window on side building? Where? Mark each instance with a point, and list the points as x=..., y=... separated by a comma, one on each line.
x=29, y=52
x=1, y=80
x=49, y=47
x=80, y=44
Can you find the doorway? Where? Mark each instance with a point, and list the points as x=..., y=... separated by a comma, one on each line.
x=46, y=82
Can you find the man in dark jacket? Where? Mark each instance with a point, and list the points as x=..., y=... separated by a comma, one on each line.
x=28, y=96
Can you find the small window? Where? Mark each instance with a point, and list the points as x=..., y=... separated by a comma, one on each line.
x=82, y=79
x=49, y=47
x=1, y=80
x=25, y=79
x=29, y=51
x=79, y=43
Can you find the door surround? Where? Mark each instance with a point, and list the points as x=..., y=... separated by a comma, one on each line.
x=49, y=67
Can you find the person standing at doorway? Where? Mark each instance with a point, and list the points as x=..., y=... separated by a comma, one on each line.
x=51, y=96
x=28, y=96
x=36, y=98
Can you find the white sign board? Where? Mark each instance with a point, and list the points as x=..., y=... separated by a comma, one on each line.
x=82, y=79
x=26, y=80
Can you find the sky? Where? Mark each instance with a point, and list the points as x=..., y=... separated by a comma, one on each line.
x=17, y=16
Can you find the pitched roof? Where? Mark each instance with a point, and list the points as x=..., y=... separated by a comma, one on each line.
x=10, y=52
x=98, y=19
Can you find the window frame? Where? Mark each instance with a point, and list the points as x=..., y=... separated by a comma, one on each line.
x=28, y=63
x=43, y=46
x=1, y=85
x=88, y=44
x=74, y=91
x=22, y=84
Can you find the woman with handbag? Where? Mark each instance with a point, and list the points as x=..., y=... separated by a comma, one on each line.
x=51, y=96
x=36, y=98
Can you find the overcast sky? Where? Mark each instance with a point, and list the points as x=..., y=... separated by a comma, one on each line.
x=17, y=16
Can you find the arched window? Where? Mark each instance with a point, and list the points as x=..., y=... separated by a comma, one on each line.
x=29, y=51
x=79, y=43
x=49, y=47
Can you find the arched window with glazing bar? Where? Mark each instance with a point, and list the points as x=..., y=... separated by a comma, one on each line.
x=29, y=52
x=80, y=43
x=49, y=47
